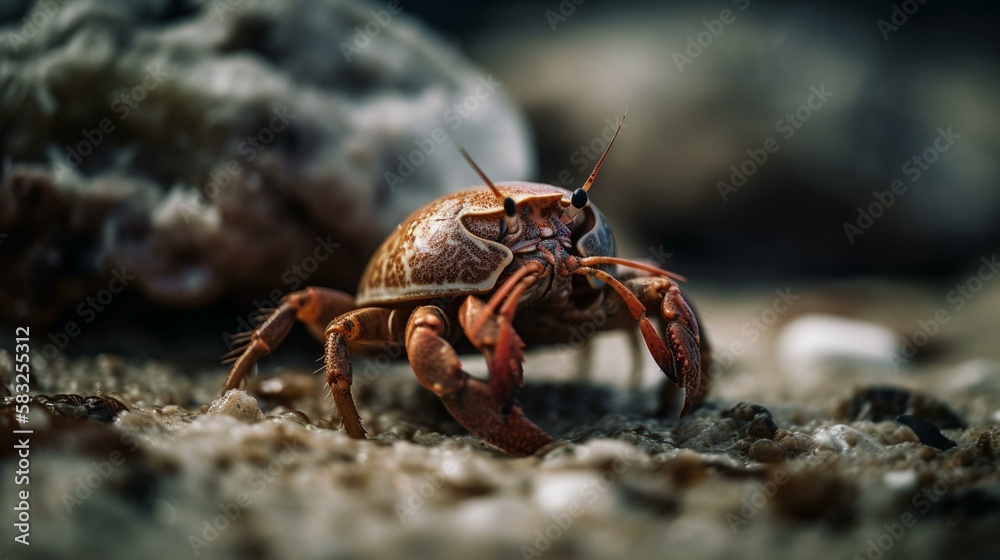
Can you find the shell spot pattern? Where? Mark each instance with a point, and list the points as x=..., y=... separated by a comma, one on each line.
x=448, y=247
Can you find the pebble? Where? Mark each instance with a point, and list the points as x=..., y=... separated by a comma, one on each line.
x=767, y=451
x=928, y=433
x=809, y=345
x=843, y=439
x=239, y=404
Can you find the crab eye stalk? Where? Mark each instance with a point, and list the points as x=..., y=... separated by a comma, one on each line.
x=579, y=201
x=511, y=225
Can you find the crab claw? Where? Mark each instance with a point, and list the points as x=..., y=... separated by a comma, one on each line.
x=684, y=344
x=494, y=336
x=682, y=353
x=473, y=403
x=476, y=410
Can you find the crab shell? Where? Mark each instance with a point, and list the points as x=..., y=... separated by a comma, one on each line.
x=433, y=253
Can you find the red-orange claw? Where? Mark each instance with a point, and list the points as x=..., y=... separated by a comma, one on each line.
x=687, y=363
x=674, y=305
x=661, y=354
x=473, y=403
x=685, y=344
x=475, y=409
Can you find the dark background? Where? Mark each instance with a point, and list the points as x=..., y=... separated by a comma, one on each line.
x=658, y=187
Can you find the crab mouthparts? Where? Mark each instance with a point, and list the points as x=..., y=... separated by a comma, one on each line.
x=529, y=245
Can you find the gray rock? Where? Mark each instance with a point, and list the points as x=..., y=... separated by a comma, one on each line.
x=217, y=150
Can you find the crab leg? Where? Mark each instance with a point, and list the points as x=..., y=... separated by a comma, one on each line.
x=470, y=401
x=495, y=337
x=312, y=306
x=682, y=361
x=529, y=270
x=591, y=261
x=369, y=325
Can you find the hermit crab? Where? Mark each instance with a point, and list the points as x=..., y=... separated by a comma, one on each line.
x=491, y=267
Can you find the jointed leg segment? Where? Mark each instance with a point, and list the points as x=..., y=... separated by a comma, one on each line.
x=366, y=325
x=329, y=314
x=314, y=307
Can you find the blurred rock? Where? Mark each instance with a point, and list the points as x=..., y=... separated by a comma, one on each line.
x=702, y=111
x=214, y=150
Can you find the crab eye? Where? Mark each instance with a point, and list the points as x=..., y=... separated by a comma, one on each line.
x=578, y=201
x=510, y=223
x=509, y=207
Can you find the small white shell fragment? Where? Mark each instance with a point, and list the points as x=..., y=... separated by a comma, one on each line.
x=239, y=404
x=844, y=439
x=811, y=346
x=900, y=479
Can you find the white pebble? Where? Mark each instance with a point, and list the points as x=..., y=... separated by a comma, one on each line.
x=843, y=439
x=812, y=346
x=239, y=404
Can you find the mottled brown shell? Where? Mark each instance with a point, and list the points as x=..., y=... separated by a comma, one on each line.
x=433, y=254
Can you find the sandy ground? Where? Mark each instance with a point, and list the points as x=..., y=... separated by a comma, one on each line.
x=798, y=452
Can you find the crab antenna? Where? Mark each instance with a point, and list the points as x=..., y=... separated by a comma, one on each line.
x=579, y=199
x=509, y=206
x=593, y=174
x=479, y=171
